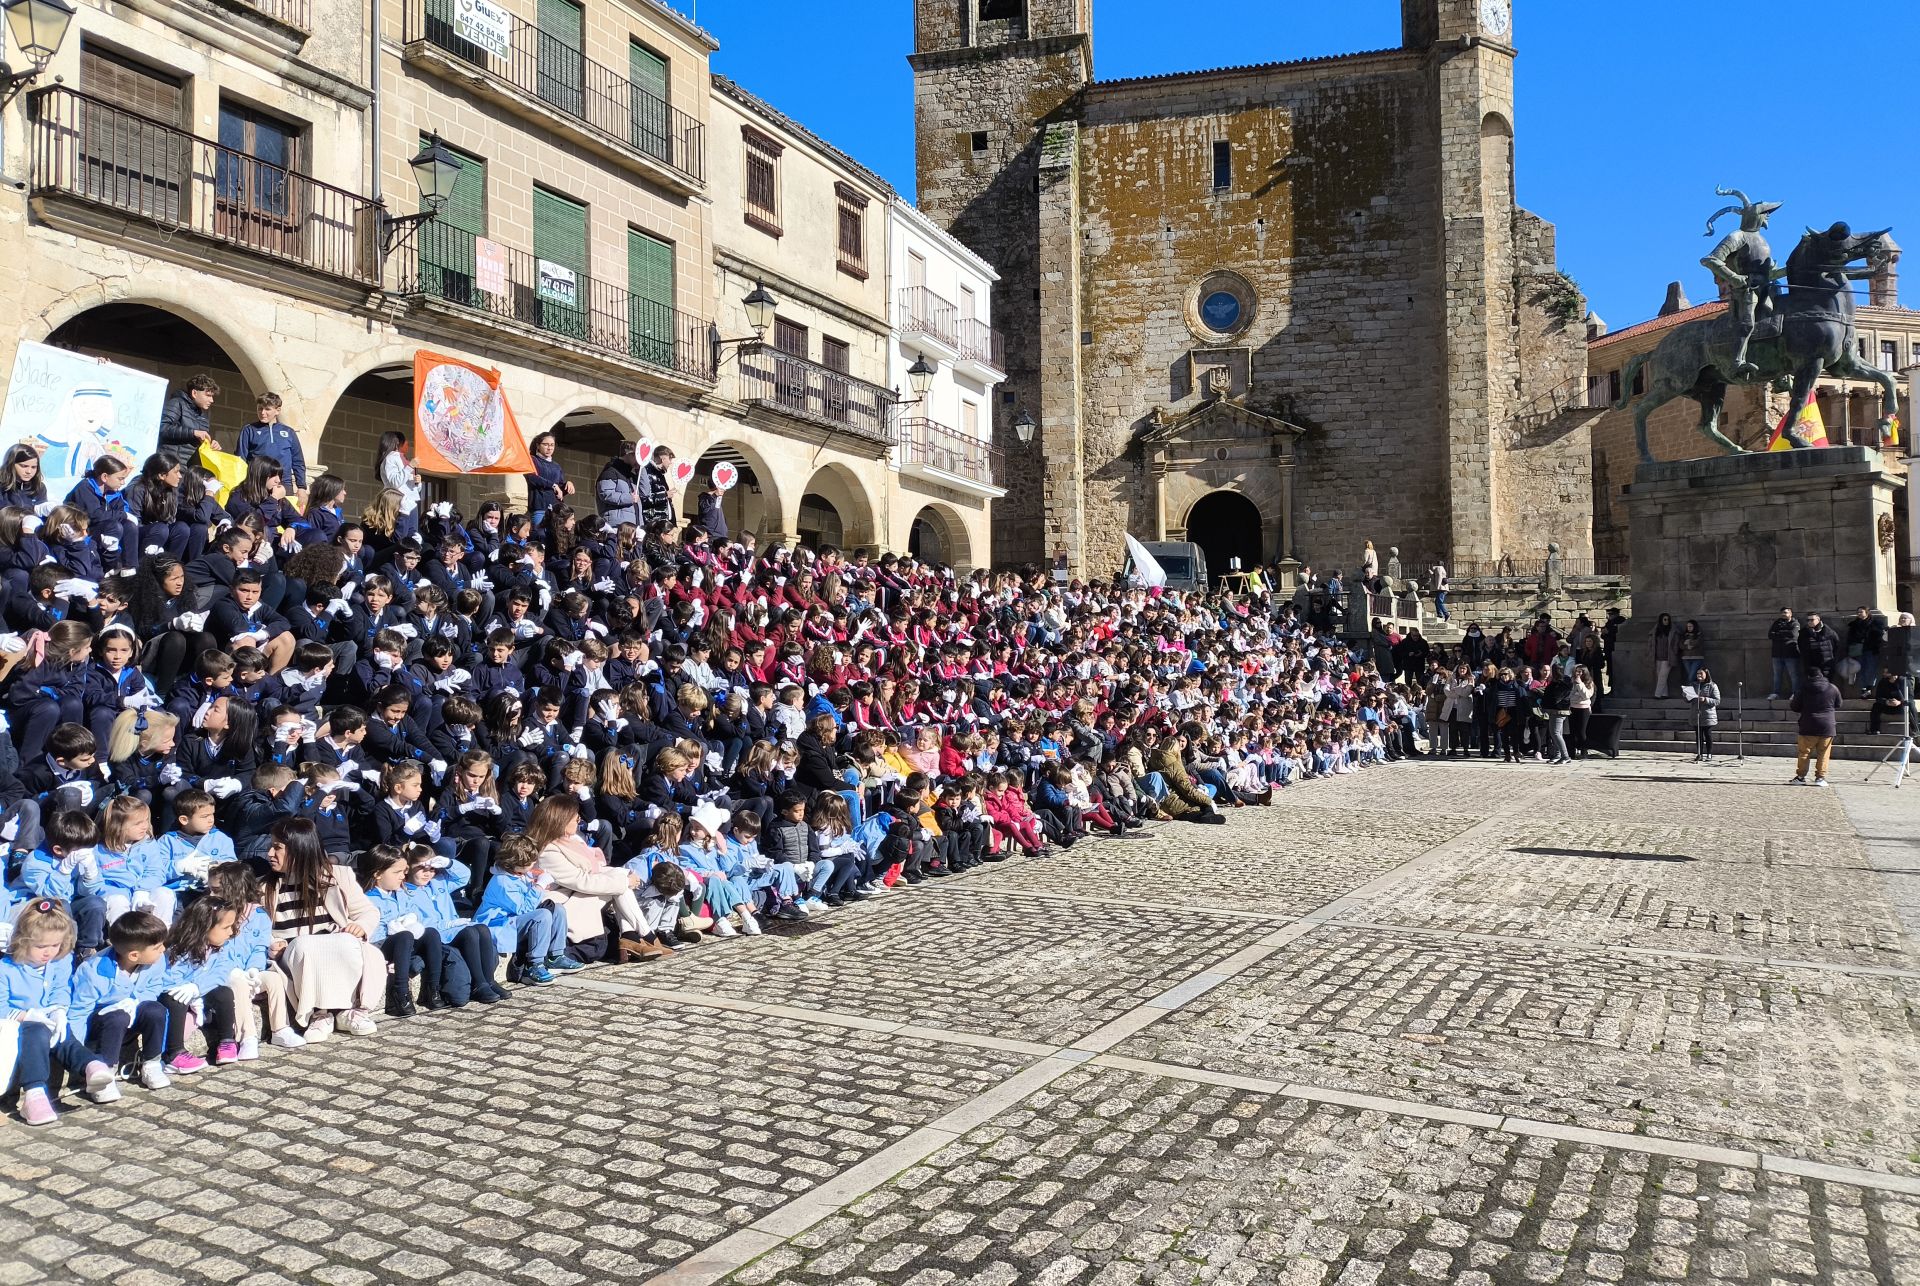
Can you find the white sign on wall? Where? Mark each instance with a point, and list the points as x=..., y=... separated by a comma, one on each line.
x=485, y=24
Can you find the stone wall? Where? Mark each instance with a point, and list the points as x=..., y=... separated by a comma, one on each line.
x=1494, y=601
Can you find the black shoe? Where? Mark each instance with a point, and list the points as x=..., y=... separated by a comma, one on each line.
x=939, y=872
x=1000, y=856
x=915, y=877
x=788, y=911
x=431, y=1000
x=489, y=997
x=855, y=895
x=401, y=1008
x=833, y=901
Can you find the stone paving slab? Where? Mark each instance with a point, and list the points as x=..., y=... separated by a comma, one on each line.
x=1112, y=1178
x=979, y=962
x=1806, y=1063
x=563, y=1137
x=1690, y=886
x=1283, y=861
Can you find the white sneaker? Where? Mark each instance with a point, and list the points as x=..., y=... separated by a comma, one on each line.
x=153, y=1076
x=724, y=929
x=814, y=904
x=250, y=1049
x=1819, y=781
x=318, y=1030
x=285, y=1038
x=354, y=1022
x=1796, y=781
x=103, y=1085
x=108, y=1093
x=749, y=925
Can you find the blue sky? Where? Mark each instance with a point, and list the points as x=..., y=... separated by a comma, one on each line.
x=1613, y=98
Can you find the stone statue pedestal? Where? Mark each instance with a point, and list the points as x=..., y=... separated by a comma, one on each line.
x=1729, y=540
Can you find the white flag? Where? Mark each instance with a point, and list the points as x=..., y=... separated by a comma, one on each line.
x=1146, y=569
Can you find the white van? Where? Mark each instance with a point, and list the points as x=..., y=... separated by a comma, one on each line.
x=1184, y=562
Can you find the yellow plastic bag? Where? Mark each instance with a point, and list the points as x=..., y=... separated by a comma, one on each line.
x=228, y=471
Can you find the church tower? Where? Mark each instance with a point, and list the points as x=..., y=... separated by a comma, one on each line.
x=1468, y=44
x=989, y=76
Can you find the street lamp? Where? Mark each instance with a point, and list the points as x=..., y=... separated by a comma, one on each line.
x=1023, y=427
x=436, y=171
x=38, y=27
x=760, y=305
x=920, y=376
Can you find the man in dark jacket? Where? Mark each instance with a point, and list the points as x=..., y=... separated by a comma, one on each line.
x=1783, y=642
x=267, y=436
x=711, y=519
x=616, y=493
x=1815, y=703
x=183, y=420
x=1819, y=646
x=1866, y=638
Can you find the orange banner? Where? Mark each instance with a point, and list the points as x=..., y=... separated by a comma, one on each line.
x=461, y=420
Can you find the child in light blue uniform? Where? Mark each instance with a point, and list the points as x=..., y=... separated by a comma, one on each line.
x=432, y=880
x=524, y=924
x=702, y=856
x=249, y=955
x=182, y=857
x=771, y=884
x=64, y=870
x=36, y=991
x=409, y=945
x=198, y=983
x=116, y=995
x=133, y=871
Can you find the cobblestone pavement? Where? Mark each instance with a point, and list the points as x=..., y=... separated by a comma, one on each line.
x=1461, y=1023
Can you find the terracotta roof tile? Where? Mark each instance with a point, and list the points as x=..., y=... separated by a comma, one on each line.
x=1698, y=312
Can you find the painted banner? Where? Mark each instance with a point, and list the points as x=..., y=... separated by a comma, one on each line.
x=487, y=25
x=461, y=420
x=73, y=409
x=490, y=266
x=1810, y=424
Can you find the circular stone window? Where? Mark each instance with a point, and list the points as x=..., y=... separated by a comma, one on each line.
x=1221, y=306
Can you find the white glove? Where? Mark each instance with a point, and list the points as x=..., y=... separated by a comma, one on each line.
x=142, y=900
x=583, y=792
x=200, y=713
x=532, y=737
x=409, y=923
x=569, y=660
x=447, y=682
x=442, y=510
x=433, y=832
x=339, y=607
x=11, y=830
x=12, y=643
x=476, y=804
x=406, y=631
x=580, y=752
x=151, y=550
x=195, y=865
x=82, y=790
x=169, y=774
x=415, y=824
x=481, y=581
x=439, y=861
x=489, y=805
x=127, y=1007
x=343, y=787
x=524, y=628
x=596, y=627
x=74, y=587
x=439, y=767
x=186, y=993
x=136, y=701
x=222, y=787
x=493, y=555
x=110, y=543
x=30, y=524
x=191, y=622
x=604, y=585
x=459, y=676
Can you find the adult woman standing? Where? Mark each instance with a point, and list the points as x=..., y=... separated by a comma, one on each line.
x=322, y=926
x=1580, y=707
x=1664, y=647
x=1692, y=648
x=1706, y=715
x=391, y=466
x=1457, y=712
x=1557, y=700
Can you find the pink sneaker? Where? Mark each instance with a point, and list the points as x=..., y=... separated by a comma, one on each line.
x=229, y=1052
x=185, y=1064
x=36, y=1108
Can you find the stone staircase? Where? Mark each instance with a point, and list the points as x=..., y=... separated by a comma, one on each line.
x=1765, y=729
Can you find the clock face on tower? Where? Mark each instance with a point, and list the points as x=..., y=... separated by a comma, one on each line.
x=1496, y=16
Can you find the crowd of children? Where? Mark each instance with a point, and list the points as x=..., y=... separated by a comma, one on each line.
x=303, y=771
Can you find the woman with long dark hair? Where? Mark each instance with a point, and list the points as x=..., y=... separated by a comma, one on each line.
x=322, y=926
x=153, y=501
x=393, y=469
x=547, y=485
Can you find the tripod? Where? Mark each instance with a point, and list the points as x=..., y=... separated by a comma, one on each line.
x=1904, y=748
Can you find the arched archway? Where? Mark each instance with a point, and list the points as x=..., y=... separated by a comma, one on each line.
x=753, y=504
x=585, y=438
x=835, y=510
x=938, y=536
x=1226, y=525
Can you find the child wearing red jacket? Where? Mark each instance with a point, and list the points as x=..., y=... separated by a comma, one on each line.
x=1007, y=809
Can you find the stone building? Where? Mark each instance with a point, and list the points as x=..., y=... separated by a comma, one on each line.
x=1277, y=309
x=1888, y=337
x=212, y=186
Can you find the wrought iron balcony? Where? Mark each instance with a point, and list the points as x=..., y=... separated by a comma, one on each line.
x=924, y=313
x=88, y=150
x=933, y=445
x=539, y=69
x=809, y=391
x=982, y=345
x=446, y=264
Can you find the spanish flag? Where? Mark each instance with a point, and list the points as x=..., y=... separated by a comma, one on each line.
x=1893, y=432
x=1811, y=426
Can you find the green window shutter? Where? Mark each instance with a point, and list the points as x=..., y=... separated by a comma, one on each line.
x=446, y=243
x=648, y=73
x=561, y=70
x=650, y=298
x=560, y=237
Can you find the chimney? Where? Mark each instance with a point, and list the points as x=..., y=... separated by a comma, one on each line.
x=1676, y=300
x=1596, y=326
x=1883, y=288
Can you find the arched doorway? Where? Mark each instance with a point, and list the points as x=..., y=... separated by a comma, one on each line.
x=162, y=343
x=835, y=510
x=1226, y=526
x=939, y=537
x=751, y=505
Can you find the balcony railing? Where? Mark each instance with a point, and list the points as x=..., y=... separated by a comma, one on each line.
x=810, y=391
x=553, y=72
x=981, y=343
x=936, y=446
x=447, y=264
x=90, y=150
x=292, y=13
x=924, y=313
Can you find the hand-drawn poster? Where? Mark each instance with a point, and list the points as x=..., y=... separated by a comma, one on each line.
x=73, y=408
x=461, y=420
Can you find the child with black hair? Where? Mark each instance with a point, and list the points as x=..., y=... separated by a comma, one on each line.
x=250, y=673
x=198, y=974
x=524, y=783
x=302, y=683
x=114, y=683
x=256, y=984
x=116, y=1008
x=275, y=795
x=530, y=927
x=471, y=959
x=51, y=694
x=69, y=774
x=410, y=945
x=212, y=676
x=322, y=804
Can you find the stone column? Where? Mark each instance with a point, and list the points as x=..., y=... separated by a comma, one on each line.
x=1158, y=471
x=1063, y=490
x=1287, y=550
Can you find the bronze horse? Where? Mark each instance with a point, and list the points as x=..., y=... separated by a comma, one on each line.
x=1810, y=334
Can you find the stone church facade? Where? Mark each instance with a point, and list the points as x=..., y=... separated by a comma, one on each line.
x=1278, y=310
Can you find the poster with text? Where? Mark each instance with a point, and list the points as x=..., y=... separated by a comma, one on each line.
x=73, y=409
x=461, y=420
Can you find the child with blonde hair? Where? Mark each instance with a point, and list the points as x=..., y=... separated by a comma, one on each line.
x=36, y=991
x=527, y=925
x=133, y=870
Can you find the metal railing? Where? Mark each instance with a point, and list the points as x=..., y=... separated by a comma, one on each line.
x=810, y=391
x=294, y=13
x=924, y=313
x=935, y=445
x=980, y=342
x=1575, y=393
x=445, y=263
x=90, y=150
x=552, y=71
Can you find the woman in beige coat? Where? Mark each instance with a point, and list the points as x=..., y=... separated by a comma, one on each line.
x=582, y=881
x=322, y=926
